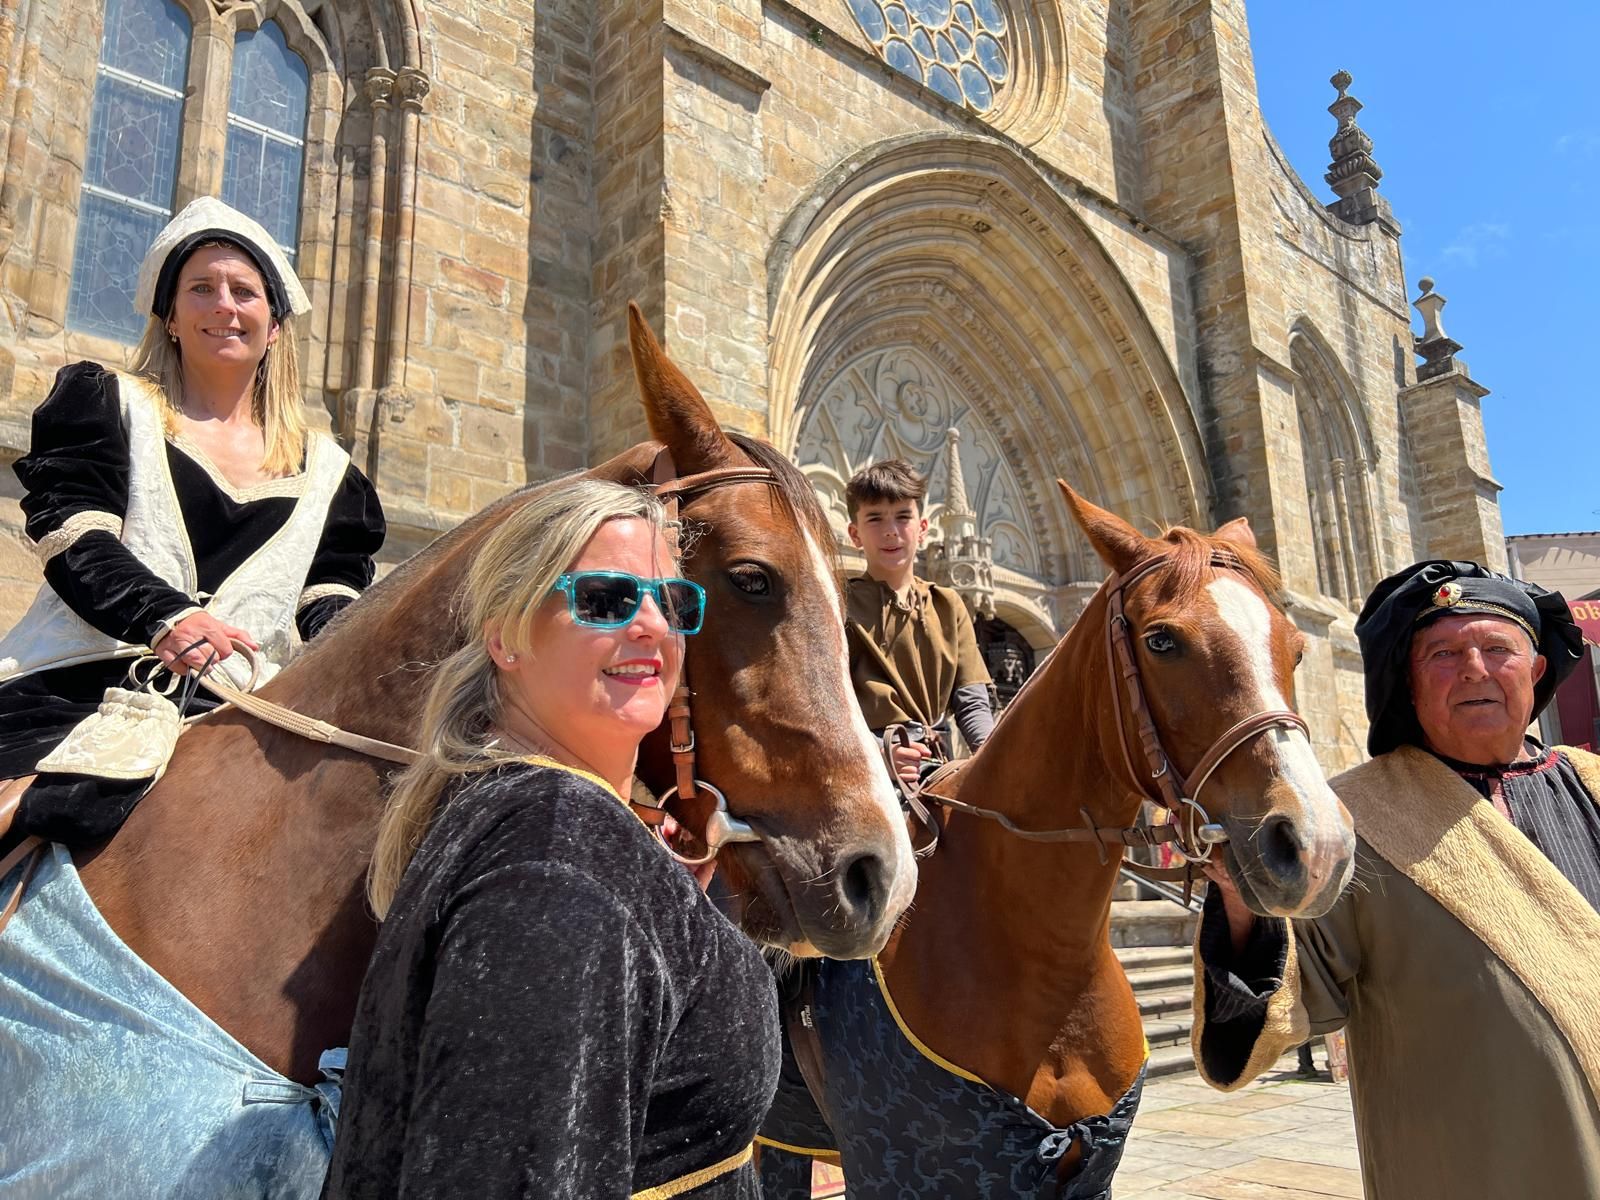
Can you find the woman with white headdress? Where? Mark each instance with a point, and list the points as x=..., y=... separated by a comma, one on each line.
x=176, y=509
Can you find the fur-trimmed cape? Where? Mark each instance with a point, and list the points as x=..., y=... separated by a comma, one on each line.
x=1467, y=970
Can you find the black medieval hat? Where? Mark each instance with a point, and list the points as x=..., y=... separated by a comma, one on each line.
x=1426, y=591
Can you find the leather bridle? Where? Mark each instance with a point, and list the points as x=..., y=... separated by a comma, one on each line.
x=1161, y=784
x=722, y=828
x=1191, y=832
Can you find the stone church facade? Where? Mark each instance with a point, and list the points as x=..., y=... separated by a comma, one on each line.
x=1059, y=227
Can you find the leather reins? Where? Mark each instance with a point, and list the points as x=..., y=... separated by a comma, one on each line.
x=1191, y=832
x=722, y=828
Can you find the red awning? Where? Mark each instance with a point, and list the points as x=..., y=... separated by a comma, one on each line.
x=1587, y=613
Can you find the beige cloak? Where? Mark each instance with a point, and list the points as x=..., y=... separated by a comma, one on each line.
x=1466, y=970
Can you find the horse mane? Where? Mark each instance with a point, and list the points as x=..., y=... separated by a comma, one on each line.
x=1188, y=563
x=796, y=493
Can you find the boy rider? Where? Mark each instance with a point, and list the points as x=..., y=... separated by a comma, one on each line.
x=914, y=658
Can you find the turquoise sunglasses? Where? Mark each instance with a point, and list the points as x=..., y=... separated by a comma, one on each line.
x=609, y=599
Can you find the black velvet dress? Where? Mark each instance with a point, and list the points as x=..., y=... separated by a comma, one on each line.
x=79, y=463
x=553, y=1010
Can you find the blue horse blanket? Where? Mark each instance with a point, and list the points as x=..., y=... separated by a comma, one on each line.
x=906, y=1123
x=112, y=1084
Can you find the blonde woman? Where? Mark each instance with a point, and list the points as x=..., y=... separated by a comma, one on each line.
x=553, y=1009
x=175, y=510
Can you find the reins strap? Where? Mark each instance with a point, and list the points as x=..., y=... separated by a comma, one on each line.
x=911, y=791
x=799, y=1019
x=307, y=727
x=670, y=488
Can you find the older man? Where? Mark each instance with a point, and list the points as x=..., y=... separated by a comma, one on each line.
x=1465, y=957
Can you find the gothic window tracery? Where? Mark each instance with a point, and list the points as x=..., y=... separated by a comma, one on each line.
x=956, y=48
x=131, y=174
x=1339, y=478
x=266, y=133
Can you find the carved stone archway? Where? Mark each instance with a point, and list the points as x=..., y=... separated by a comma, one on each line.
x=935, y=281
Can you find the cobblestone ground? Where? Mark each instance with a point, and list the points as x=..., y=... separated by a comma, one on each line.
x=1280, y=1138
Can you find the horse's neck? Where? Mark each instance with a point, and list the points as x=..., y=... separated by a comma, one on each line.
x=1009, y=936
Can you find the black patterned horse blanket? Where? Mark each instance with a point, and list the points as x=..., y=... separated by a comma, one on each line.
x=908, y=1123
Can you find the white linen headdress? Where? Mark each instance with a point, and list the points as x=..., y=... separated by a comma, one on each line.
x=209, y=218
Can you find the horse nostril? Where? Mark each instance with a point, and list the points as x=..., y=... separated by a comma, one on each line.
x=1281, y=847
x=863, y=887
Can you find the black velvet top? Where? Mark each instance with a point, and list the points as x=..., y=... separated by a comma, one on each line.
x=80, y=462
x=553, y=1010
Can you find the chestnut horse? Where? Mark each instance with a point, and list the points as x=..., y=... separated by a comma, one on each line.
x=239, y=878
x=1000, y=994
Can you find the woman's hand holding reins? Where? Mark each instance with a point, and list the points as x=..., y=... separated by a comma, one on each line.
x=197, y=638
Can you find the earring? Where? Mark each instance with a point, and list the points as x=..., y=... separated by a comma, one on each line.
x=511, y=658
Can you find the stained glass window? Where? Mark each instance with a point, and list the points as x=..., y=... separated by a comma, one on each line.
x=955, y=47
x=266, y=133
x=132, y=168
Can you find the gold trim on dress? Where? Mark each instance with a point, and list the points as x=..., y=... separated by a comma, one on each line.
x=687, y=1183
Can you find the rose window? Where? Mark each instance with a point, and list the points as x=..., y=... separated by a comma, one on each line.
x=955, y=47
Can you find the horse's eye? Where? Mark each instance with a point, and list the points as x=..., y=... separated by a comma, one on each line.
x=1159, y=641
x=751, y=579
x=1299, y=657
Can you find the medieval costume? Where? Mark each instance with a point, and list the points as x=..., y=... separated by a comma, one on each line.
x=137, y=529
x=1464, y=959
x=915, y=660
x=554, y=1010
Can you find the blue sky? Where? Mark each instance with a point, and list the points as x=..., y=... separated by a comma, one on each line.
x=1488, y=134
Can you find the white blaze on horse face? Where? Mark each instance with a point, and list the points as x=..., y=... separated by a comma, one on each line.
x=883, y=792
x=1246, y=613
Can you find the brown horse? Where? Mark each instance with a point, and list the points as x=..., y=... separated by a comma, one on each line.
x=240, y=876
x=1004, y=969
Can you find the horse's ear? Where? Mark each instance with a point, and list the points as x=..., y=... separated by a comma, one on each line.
x=1238, y=532
x=1114, y=540
x=679, y=416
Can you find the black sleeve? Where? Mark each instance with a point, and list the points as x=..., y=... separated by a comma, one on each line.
x=1238, y=986
x=541, y=974
x=343, y=566
x=76, y=481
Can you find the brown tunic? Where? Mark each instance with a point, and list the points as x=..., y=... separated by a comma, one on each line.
x=907, y=660
x=1467, y=972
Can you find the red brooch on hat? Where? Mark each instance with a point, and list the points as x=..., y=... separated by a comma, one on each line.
x=1448, y=595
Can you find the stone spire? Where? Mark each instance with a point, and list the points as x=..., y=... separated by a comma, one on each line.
x=1353, y=174
x=1435, y=347
x=958, y=516
x=961, y=559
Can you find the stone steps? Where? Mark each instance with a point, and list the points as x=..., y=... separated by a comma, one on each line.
x=1152, y=939
x=1151, y=923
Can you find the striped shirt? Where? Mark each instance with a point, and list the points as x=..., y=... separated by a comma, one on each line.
x=1548, y=802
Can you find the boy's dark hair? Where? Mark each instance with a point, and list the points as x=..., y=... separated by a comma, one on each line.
x=889, y=481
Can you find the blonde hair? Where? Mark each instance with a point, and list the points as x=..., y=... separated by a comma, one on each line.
x=513, y=573
x=276, y=405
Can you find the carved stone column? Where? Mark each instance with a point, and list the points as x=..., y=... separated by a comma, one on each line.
x=412, y=87
x=358, y=407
